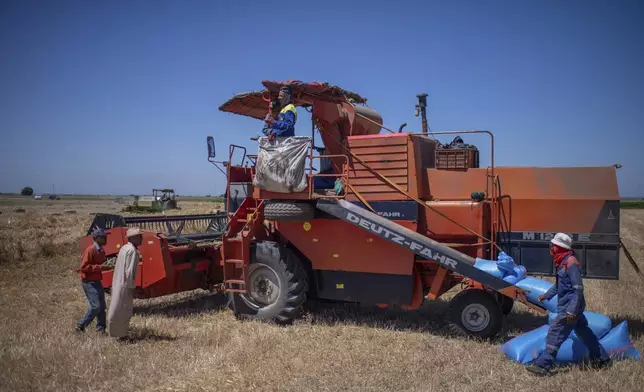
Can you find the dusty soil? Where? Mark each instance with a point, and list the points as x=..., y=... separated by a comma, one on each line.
x=191, y=341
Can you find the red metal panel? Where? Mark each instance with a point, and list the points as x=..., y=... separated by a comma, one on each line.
x=379, y=150
x=383, y=157
x=156, y=258
x=380, y=165
x=572, y=216
x=354, y=173
x=332, y=244
x=381, y=138
x=467, y=213
x=456, y=185
x=373, y=180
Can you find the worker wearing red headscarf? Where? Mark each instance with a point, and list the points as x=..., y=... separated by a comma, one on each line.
x=570, y=309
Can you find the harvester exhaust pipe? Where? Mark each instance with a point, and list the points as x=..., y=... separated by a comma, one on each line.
x=421, y=108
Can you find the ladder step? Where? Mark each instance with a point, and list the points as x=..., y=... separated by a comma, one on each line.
x=234, y=281
x=234, y=261
x=238, y=291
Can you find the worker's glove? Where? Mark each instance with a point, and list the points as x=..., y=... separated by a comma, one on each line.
x=570, y=318
x=541, y=298
x=269, y=119
x=338, y=187
x=272, y=136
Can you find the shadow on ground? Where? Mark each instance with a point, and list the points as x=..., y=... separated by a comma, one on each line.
x=429, y=318
x=183, y=307
x=147, y=334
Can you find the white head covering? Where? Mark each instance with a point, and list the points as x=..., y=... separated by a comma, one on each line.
x=133, y=232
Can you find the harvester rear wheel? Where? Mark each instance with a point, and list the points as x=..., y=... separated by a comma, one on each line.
x=288, y=211
x=475, y=313
x=277, y=286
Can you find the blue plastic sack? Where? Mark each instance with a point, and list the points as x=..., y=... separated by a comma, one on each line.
x=527, y=347
x=616, y=342
x=600, y=324
x=488, y=266
x=535, y=288
x=518, y=275
x=505, y=264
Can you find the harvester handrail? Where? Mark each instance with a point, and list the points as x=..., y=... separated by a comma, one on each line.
x=342, y=174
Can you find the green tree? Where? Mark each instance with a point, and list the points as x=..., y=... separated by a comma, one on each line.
x=27, y=191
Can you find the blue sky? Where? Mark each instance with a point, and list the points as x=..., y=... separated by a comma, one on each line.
x=118, y=97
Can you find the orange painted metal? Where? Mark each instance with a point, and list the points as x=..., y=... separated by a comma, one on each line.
x=332, y=244
x=398, y=157
x=417, y=296
x=542, y=199
x=437, y=283
x=164, y=269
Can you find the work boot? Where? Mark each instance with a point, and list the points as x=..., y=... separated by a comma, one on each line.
x=538, y=370
x=79, y=328
x=597, y=364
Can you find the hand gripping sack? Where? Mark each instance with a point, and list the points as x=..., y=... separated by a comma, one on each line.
x=280, y=164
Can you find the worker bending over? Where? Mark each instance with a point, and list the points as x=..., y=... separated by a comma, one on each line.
x=284, y=126
x=91, y=272
x=570, y=309
x=123, y=285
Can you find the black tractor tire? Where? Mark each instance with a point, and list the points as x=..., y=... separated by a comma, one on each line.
x=282, y=267
x=506, y=303
x=289, y=211
x=475, y=313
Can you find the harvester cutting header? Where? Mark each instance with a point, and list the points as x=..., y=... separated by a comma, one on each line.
x=380, y=222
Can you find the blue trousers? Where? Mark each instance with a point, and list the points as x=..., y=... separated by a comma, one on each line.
x=559, y=332
x=96, y=298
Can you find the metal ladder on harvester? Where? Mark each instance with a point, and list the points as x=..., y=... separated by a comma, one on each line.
x=235, y=247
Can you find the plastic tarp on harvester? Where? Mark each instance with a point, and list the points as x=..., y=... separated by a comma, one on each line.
x=281, y=164
x=527, y=347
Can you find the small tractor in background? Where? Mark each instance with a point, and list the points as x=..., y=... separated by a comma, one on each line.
x=400, y=230
x=161, y=200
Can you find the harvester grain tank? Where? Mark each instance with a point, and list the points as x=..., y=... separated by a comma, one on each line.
x=398, y=231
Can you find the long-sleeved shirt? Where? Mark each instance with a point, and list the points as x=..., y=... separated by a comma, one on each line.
x=90, y=267
x=127, y=264
x=284, y=126
x=569, y=288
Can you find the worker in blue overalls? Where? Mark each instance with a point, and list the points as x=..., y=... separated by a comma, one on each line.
x=284, y=126
x=570, y=309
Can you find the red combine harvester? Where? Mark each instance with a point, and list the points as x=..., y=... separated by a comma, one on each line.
x=396, y=231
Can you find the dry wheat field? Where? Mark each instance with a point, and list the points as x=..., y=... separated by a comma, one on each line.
x=191, y=341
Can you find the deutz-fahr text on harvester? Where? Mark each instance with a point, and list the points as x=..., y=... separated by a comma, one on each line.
x=385, y=225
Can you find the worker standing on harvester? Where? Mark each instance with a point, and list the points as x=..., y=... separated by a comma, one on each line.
x=570, y=309
x=123, y=285
x=284, y=126
x=91, y=271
